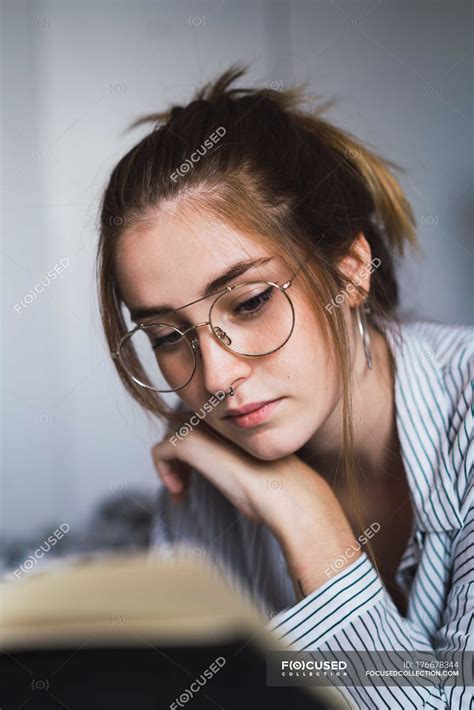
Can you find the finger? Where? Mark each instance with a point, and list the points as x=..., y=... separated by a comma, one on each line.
x=174, y=473
x=184, y=471
x=168, y=472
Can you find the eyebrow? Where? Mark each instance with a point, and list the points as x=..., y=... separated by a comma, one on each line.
x=233, y=272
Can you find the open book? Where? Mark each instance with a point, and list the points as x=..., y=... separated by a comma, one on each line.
x=133, y=631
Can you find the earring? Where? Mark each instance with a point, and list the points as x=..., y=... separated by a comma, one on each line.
x=231, y=391
x=361, y=312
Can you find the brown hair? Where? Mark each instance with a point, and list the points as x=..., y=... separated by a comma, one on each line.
x=280, y=174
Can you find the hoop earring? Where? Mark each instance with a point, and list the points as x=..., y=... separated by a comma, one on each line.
x=361, y=312
x=231, y=392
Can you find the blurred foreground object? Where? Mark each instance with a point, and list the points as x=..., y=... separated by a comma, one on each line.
x=129, y=631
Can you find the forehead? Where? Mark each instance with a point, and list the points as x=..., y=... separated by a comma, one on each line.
x=172, y=255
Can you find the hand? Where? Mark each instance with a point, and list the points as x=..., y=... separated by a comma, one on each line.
x=296, y=502
x=239, y=476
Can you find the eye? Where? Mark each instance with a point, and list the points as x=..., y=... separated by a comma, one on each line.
x=254, y=303
x=169, y=339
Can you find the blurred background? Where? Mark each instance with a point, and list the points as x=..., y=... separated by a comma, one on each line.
x=76, y=449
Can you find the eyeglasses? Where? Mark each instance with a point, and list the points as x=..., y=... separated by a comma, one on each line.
x=253, y=319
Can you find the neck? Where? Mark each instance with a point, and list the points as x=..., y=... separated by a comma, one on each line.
x=376, y=443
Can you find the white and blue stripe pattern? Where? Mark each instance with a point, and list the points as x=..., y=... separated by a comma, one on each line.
x=353, y=611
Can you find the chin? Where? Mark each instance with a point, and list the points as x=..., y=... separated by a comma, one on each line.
x=270, y=445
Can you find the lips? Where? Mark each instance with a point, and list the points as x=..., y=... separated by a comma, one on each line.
x=256, y=413
x=247, y=408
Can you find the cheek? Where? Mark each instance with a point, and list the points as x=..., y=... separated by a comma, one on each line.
x=194, y=396
x=197, y=399
x=305, y=359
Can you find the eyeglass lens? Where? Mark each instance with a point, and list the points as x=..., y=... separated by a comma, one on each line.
x=251, y=319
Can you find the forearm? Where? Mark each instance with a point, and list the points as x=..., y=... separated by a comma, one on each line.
x=312, y=529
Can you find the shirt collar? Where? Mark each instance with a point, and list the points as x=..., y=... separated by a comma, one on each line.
x=422, y=416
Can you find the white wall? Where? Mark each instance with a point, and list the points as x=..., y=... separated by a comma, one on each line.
x=75, y=74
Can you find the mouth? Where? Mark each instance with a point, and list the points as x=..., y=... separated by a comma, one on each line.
x=253, y=414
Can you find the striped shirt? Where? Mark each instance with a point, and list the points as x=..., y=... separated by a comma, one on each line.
x=352, y=611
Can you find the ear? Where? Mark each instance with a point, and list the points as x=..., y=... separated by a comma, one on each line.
x=356, y=266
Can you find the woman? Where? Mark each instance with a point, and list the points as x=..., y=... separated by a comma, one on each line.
x=320, y=451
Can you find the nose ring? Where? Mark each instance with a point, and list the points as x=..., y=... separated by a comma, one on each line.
x=231, y=391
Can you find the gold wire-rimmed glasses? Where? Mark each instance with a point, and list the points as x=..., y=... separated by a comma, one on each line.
x=251, y=319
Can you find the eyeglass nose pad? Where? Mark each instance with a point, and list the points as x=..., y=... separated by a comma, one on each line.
x=195, y=346
x=222, y=335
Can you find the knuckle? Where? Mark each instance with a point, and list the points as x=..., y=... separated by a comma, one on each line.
x=155, y=455
x=158, y=447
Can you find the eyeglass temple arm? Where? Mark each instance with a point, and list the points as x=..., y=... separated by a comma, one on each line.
x=288, y=283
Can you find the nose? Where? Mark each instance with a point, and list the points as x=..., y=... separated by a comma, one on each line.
x=219, y=367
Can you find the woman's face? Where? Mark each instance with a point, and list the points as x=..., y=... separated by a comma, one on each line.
x=170, y=261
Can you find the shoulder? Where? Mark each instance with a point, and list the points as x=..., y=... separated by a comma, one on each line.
x=449, y=349
x=442, y=358
x=452, y=344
